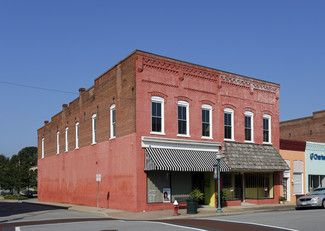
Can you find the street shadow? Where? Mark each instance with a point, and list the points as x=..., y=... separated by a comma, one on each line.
x=13, y=208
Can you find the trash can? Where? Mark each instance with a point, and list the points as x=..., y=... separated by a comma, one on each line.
x=191, y=206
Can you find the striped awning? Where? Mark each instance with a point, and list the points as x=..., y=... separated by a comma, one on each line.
x=181, y=160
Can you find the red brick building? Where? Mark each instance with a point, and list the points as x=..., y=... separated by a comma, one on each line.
x=310, y=128
x=151, y=126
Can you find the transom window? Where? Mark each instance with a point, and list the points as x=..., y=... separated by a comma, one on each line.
x=157, y=115
x=266, y=128
x=183, y=118
x=229, y=123
x=206, y=121
x=249, y=126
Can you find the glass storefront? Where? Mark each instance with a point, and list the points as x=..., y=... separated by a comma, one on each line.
x=258, y=185
x=179, y=184
x=316, y=181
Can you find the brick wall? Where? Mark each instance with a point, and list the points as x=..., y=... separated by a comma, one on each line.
x=308, y=128
x=116, y=86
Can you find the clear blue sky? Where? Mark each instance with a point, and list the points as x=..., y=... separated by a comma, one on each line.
x=65, y=45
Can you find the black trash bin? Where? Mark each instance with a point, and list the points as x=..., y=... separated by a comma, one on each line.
x=191, y=206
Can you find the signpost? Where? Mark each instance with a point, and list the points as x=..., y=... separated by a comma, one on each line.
x=98, y=179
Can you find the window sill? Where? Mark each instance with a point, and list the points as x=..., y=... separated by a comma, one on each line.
x=206, y=138
x=228, y=139
x=112, y=138
x=267, y=143
x=181, y=135
x=248, y=141
x=158, y=133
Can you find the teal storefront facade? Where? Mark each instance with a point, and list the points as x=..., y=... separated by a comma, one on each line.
x=315, y=165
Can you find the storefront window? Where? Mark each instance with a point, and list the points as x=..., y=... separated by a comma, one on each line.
x=316, y=181
x=258, y=185
x=232, y=186
x=178, y=185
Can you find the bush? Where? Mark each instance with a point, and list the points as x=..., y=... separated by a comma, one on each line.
x=197, y=194
x=15, y=197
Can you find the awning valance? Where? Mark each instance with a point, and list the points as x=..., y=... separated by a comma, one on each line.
x=181, y=160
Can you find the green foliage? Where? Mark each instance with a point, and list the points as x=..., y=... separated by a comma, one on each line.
x=15, y=197
x=224, y=195
x=197, y=194
x=15, y=172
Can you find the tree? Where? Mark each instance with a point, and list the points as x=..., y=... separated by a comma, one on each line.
x=15, y=172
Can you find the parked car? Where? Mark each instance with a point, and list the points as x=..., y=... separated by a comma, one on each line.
x=29, y=193
x=315, y=198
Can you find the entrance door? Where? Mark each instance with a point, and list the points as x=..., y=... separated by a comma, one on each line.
x=198, y=182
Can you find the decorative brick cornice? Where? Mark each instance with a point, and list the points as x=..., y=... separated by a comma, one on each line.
x=201, y=74
x=160, y=65
x=181, y=70
x=252, y=84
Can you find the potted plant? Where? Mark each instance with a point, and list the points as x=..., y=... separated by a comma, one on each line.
x=282, y=199
x=192, y=202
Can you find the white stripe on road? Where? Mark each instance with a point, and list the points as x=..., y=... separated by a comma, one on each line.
x=178, y=226
x=258, y=224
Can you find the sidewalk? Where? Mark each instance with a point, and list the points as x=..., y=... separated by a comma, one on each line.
x=204, y=211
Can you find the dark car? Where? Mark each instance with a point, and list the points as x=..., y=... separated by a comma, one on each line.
x=29, y=193
x=315, y=198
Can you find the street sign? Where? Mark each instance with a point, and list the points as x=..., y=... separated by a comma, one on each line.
x=98, y=177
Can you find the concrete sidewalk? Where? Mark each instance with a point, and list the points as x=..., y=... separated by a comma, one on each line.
x=204, y=211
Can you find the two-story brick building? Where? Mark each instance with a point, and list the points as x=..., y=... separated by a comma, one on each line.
x=151, y=126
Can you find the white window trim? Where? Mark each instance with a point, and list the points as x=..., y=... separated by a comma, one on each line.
x=184, y=104
x=158, y=99
x=230, y=111
x=77, y=135
x=267, y=116
x=57, y=142
x=94, y=129
x=112, y=107
x=250, y=114
x=66, y=139
x=209, y=108
x=43, y=152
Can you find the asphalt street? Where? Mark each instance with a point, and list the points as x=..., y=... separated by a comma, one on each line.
x=21, y=216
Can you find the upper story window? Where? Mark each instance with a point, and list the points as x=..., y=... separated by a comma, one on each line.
x=43, y=148
x=94, y=129
x=249, y=130
x=229, y=123
x=183, y=118
x=67, y=139
x=206, y=121
x=57, y=142
x=113, y=121
x=77, y=135
x=157, y=115
x=266, y=128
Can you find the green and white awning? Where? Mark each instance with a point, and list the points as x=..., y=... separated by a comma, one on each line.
x=165, y=159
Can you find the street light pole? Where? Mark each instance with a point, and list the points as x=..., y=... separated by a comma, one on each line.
x=219, y=210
